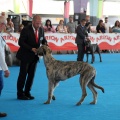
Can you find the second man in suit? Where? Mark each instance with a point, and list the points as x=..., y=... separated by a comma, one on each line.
x=81, y=37
x=30, y=39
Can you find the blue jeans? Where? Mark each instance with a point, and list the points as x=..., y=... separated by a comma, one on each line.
x=1, y=81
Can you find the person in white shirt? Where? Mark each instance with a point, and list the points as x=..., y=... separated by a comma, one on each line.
x=71, y=25
x=107, y=25
x=3, y=65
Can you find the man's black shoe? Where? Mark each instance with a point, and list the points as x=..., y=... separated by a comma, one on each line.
x=23, y=97
x=3, y=114
x=29, y=96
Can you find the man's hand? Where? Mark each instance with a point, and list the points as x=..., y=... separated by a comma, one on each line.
x=6, y=73
x=34, y=50
x=87, y=38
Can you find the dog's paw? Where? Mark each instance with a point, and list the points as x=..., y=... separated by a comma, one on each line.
x=79, y=103
x=47, y=102
x=53, y=97
x=93, y=103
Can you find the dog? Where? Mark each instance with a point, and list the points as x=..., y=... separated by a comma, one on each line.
x=91, y=49
x=61, y=70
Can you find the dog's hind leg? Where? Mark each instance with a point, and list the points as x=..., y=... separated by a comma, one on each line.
x=50, y=92
x=90, y=86
x=83, y=87
x=98, y=51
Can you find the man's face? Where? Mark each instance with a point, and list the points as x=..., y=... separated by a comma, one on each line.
x=83, y=23
x=106, y=20
x=71, y=19
x=37, y=23
x=87, y=18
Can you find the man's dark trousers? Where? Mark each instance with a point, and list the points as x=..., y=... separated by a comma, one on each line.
x=81, y=52
x=26, y=68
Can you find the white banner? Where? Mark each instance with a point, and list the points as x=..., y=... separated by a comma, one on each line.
x=59, y=41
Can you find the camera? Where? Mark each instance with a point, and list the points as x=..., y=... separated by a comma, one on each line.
x=49, y=29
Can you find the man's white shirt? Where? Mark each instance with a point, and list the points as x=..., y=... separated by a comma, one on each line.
x=3, y=65
x=107, y=26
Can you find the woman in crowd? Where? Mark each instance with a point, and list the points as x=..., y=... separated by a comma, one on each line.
x=61, y=28
x=48, y=27
x=10, y=25
x=116, y=27
x=100, y=27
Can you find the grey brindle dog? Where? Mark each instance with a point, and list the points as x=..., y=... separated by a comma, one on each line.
x=91, y=49
x=61, y=70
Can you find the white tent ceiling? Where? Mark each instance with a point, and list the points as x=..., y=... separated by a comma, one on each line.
x=103, y=0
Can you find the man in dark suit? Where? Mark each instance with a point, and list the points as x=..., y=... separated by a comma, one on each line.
x=81, y=36
x=31, y=37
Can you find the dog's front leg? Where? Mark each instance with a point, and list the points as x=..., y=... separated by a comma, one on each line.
x=100, y=56
x=98, y=50
x=93, y=57
x=50, y=92
x=87, y=57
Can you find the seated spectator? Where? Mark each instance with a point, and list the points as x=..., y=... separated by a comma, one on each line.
x=116, y=27
x=107, y=26
x=10, y=25
x=48, y=27
x=61, y=28
x=71, y=25
x=100, y=27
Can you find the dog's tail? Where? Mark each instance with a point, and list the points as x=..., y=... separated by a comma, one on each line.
x=95, y=85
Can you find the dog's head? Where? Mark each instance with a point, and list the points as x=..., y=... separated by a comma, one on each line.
x=87, y=43
x=43, y=50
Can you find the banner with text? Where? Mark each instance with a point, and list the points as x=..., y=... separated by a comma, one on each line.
x=59, y=41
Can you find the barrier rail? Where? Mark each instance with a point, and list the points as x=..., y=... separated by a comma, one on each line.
x=61, y=42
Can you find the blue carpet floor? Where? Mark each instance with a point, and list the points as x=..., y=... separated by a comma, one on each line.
x=67, y=94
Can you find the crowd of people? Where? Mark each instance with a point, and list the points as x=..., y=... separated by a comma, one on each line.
x=103, y=26
x=70, y=27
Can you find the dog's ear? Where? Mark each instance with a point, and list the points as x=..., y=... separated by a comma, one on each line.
x=44, y=49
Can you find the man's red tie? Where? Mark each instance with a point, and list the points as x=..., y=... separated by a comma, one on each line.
x=36, y=35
